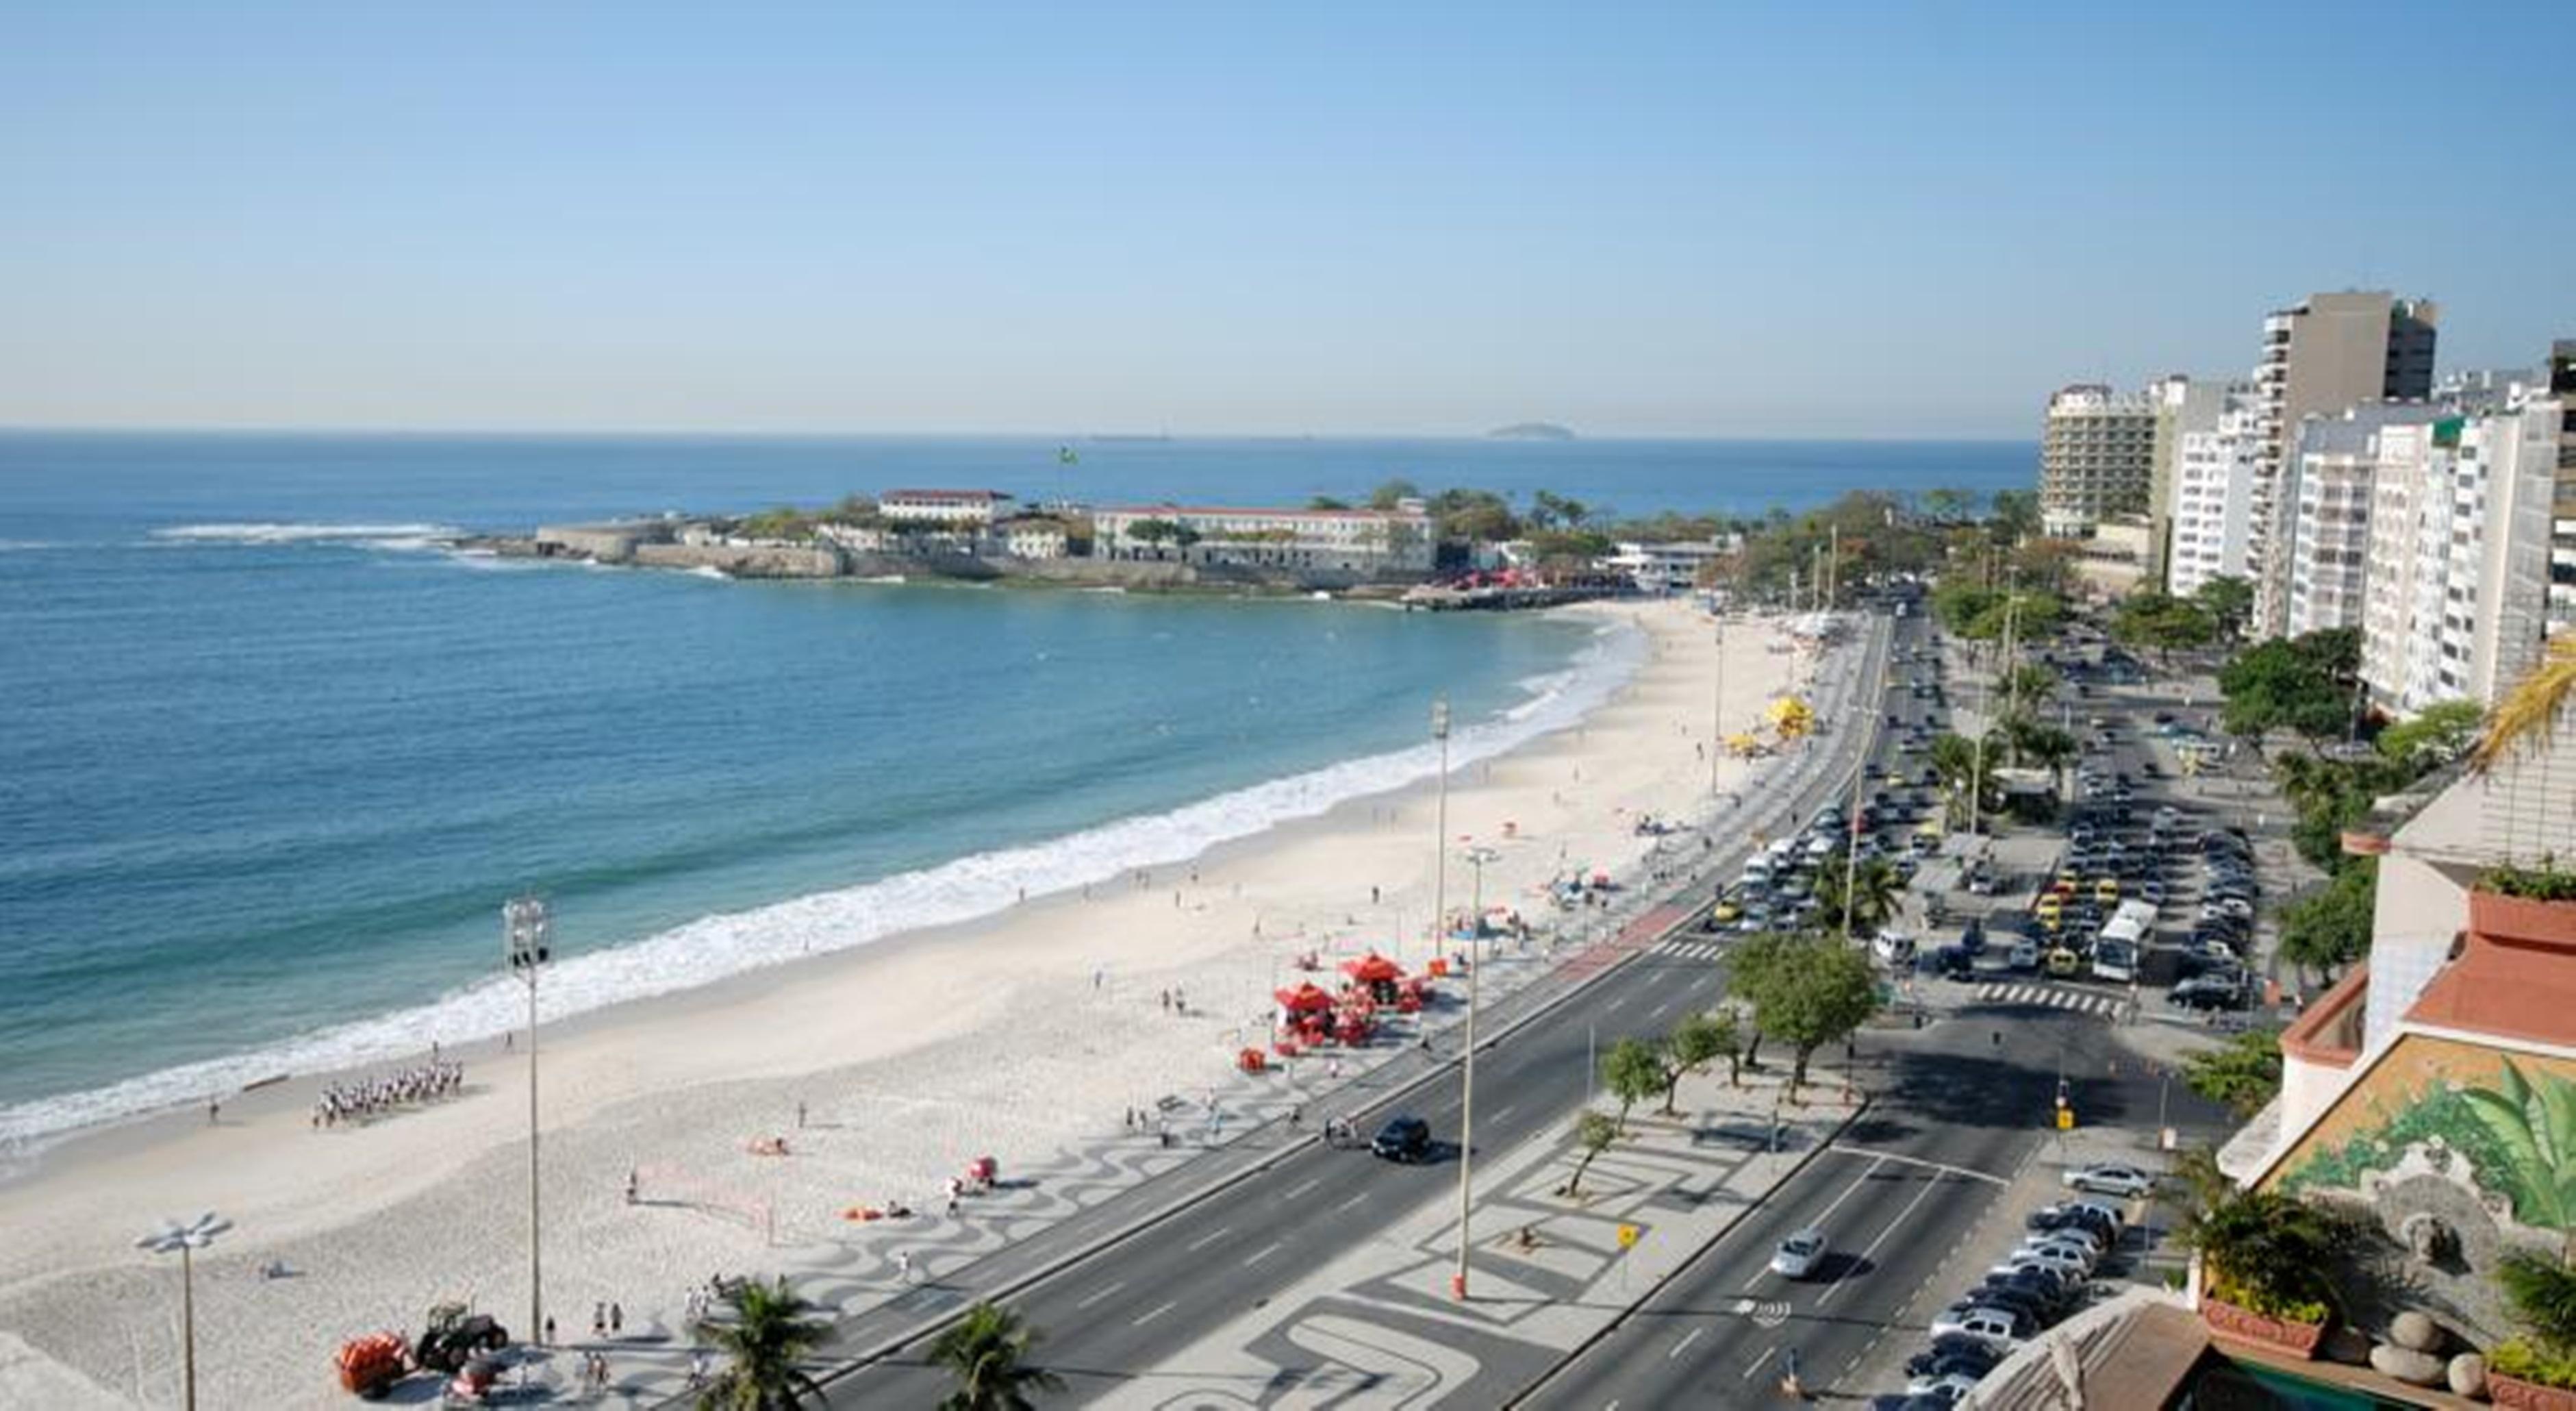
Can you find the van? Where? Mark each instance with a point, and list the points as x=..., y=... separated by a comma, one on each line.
x=2115, y=960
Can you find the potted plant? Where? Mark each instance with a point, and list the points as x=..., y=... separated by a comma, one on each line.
x=2526, y=903
x=2537, y=1371
x=2266, y=1257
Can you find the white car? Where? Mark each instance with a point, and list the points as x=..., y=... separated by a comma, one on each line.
x=1988, y=1325
x=2077, y=1235
x=2110, y=1178
x=1799, y=1254
x=2066, y=1257
x=1949, y=1390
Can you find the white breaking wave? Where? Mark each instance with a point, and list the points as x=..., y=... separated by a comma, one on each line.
x=708, y=570
x=398, y=537
x=27, y=546
x=713, y=948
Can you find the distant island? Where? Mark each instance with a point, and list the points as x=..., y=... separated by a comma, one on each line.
x=1531, y=431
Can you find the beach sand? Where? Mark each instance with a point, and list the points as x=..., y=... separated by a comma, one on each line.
x=1015, y=1036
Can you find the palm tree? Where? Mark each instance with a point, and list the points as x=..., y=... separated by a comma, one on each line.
x=2271, y=1253
x=988, y=1350
x=2523, y=719
x=1874, y=894
x=770, y=1331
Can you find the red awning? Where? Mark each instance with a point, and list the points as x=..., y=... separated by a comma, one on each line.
x=1372, y=969
x=1304, y=999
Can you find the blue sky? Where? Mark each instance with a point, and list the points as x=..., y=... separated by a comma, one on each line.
x=1703, y=219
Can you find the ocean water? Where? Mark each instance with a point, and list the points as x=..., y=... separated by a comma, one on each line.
x=271, y=760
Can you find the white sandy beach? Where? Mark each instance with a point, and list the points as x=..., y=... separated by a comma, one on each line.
x=1013, y=1036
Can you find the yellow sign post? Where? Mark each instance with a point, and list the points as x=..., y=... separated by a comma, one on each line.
x=1628, y=1236
x=2066, y=1119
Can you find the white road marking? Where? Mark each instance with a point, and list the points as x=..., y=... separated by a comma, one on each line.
x=1205, y=1240
x=1840, y=1284
x=1345, y=1205
x=1660, y=1010
x=1684, y=1345
x=1614, y=1004
x=1506, y=1112
x=1948, y=1170
x=1757, y=1363
x=1301, y=1187
x=1105, y=1291
x=1260, y=1254
x=1143, y=1318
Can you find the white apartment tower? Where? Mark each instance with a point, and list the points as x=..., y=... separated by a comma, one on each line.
x=2183, y=406
x=2212, y=500
x=2460, y=554
x=2321, y=356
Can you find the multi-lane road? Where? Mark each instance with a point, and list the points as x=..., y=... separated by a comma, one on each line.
x=1114, y=1315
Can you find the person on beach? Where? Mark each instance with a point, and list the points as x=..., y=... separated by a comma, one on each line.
x=903, y=1266
x=616, y=1320
x=800, y=1116
x=1167, y=1001
x=630, y=1185
x=599, y=1320
x=550, y=1330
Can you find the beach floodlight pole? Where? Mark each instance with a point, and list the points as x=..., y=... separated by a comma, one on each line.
x=526, y=935
x=1440, y=830
x=1478, y=857
x=186, y=1240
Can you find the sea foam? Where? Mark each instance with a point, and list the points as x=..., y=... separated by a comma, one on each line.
x=398, y=537
x=713, y=948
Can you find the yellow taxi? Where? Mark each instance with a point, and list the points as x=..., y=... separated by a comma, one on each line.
x=2106, y=890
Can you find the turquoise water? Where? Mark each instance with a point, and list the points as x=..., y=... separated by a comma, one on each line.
x=273, y=761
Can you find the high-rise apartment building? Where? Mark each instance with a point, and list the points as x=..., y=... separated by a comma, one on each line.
x=2321, y=356
x=2334, y=480
x=2561, y=381
x=2457, y=581
x=2183, y=405
x=2096, y=457
x=2212, y=500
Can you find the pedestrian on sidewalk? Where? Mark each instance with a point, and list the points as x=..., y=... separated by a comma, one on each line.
x=903, y=1266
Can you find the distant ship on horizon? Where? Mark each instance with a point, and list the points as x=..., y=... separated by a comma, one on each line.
x=1531, y=431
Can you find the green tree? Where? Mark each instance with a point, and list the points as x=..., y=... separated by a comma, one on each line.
x=1754, y=965
x=2027, y=685
x=2329, y=928
x=2244, y=1072
x=1872, y=887
x=2270, y=1253
x=1326, y=502
x=2439, y=734
x=1392, y=493
x=1955, y=759
x=2229, y=602
x=987, y=1350
x=1821, y=991
x=1633, y=1071
x=769, y=1333
x=1693, y=1043
x=1593, y=1134
x=2303, y=685
x=1549, y=510
x=2164, y=625
x=1944, y=503
x=1473, y=517
x=2013, y=515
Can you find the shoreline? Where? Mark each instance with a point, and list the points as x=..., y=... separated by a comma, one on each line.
x=488, y=1007
x=999, y=1033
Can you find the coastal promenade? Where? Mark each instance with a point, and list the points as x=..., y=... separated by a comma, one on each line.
x=1150, y=1274
x=1023, y=1036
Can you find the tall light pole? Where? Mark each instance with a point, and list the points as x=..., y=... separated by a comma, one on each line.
x=186, y=1239
x=1717, y=713
x=1478, y=856
x=1440, y=830
x=525, y=934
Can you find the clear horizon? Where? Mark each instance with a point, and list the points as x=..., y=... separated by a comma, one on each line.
x=1867, y=223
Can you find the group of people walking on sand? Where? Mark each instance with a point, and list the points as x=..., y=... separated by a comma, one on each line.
x=372, y=1097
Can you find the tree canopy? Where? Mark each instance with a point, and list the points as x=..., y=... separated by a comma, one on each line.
x=1633, y=1071
x=987, y=1351
x=2302, y=684
x=2438, y=734
x=2165, y=625
x=2244, y=1072
x=1808, y=994
x=2229, y=601
x=2329, y=928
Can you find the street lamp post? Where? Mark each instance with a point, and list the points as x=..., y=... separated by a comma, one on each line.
x=1717, y=713
x=526, y=933
x=1478, y=857
x=186, y=1239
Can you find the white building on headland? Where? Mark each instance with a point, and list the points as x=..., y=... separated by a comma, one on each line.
x=1669, y=568
x=955, y=508
x=1365, y=542
x=2212, y=505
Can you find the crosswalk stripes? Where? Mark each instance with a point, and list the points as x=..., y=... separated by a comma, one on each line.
x=2050, y=995
x=1693, y=950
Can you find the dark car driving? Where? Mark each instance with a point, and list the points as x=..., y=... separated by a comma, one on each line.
x=1406, y=1139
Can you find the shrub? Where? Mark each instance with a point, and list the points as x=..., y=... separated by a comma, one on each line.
x=2545, y=881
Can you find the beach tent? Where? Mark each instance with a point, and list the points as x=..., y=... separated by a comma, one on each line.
x=1373, y=969
x=1305, y=999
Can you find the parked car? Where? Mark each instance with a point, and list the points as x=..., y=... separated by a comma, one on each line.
x=1993, y=1325
x=2024, y=957
x=2110, y=1178
x=1948, y=1390
x=2206, y=992
x=1958, y=1353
